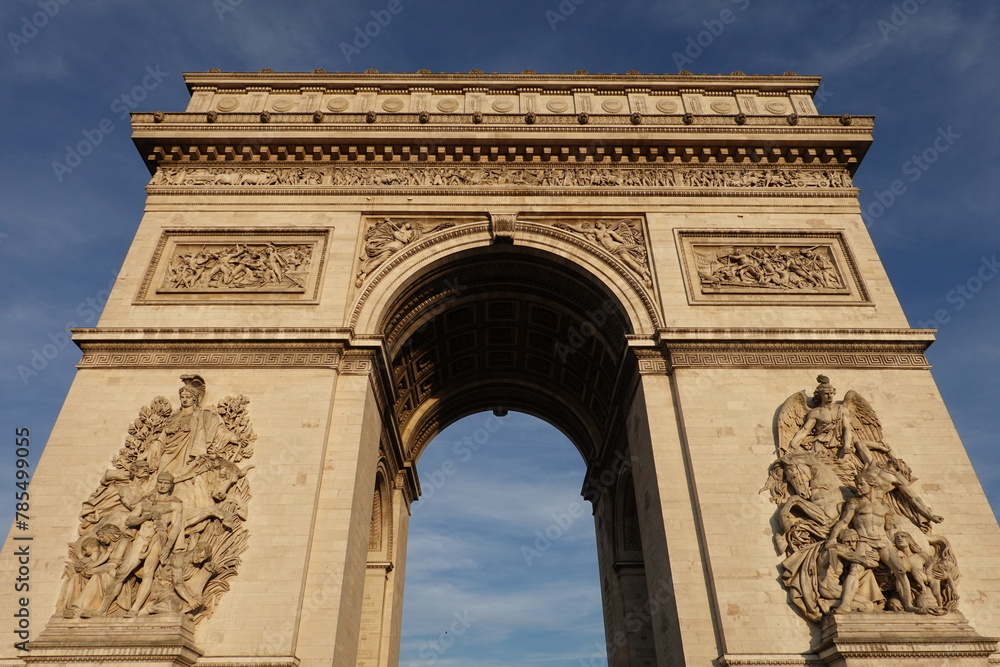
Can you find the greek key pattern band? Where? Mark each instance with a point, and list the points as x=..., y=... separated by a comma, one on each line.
x=775, y=358
x=247, y=357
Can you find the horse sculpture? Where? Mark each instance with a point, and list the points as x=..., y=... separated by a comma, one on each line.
x=806, y=515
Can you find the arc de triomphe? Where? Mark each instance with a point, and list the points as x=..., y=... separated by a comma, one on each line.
x=671, y=269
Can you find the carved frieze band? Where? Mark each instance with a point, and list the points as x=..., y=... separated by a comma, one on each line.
x=797, y=355
x=227, y=266
x=769, y=267
x=493, y=175
x=209, y=355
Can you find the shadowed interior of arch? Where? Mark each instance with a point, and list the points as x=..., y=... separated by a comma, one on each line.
x=502, y=556
x=508, y=328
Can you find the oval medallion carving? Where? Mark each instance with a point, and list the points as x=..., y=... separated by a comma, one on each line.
x=338, y=104
x=392, y=104
x=228, y=103
x=667, y=106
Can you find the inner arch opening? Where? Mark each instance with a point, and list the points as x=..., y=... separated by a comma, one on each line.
x=502, y=563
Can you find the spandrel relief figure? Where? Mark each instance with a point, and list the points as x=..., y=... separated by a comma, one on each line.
x=386, y=238
x=622, y=240
x=164, y=530
x=854, y=534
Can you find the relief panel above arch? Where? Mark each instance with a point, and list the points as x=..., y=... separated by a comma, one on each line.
x=769, y=267
x=235, y=266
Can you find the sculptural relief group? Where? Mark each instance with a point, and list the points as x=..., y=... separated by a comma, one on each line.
x=855, y=535
x=239, y=266
x=163, y=531
x=768, y=268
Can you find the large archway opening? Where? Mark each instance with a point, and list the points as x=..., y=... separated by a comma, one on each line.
x=501, y=556
x=509, y=329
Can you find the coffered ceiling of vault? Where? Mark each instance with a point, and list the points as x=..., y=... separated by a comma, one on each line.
x=505, y=330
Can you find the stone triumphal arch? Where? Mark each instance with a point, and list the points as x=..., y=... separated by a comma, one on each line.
x=671, y=269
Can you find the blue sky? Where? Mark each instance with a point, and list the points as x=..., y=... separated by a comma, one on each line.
x=927, y=70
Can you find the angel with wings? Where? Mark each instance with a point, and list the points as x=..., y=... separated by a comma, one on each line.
x=382, y=241
x=847, y=435
x=386, y=238
x=622, y=241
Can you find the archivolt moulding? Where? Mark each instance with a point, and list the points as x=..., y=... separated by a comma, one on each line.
x=381, y=287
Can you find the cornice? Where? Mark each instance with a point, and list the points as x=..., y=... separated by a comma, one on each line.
x=783, y=348
x=297, y=138
x=679, y=335
x=509, y=80
x=869, y=637
x=224, y=347
x=338, y=123
x=742, y=354
x=248, y=661
x=161, y=335
x=759, y=660
x=248, y=116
